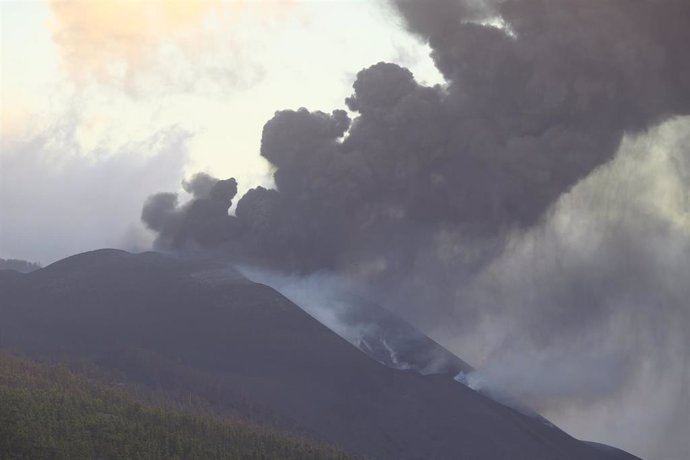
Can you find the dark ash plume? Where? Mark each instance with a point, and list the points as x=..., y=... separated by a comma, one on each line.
x=433, y=198
x=531, y=106
x=202, y=222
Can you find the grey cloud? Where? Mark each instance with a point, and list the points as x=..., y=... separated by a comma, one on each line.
x=201, y=222
x=585, y=316
x=487, y=210
x=523, y=117
x=56, y=201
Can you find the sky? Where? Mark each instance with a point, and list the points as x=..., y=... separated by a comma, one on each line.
x=106, y=102
x=575, y=296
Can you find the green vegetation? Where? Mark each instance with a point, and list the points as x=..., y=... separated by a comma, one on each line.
x=22, y=266
x=49, y=412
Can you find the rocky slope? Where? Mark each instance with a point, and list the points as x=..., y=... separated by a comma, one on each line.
x=190, y=328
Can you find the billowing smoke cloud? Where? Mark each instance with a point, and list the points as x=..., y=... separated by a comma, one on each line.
x=459, y=205
x=529, y=109
x=202, y=222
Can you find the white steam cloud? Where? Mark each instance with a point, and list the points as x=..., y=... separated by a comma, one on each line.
x=586, y=317
x=321, y=295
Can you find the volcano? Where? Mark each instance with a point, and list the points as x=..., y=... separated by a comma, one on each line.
x=200, y=329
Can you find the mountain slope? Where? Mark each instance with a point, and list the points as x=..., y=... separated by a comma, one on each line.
x=196, y=328
x=50, y=412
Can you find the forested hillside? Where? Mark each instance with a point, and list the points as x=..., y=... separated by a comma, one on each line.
x=193, y=330
x=47, y=411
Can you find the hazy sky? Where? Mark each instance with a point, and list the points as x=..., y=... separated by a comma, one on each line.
x=582, y=311
x=105, y=102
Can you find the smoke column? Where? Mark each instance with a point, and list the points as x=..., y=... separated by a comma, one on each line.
x=530, y=213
